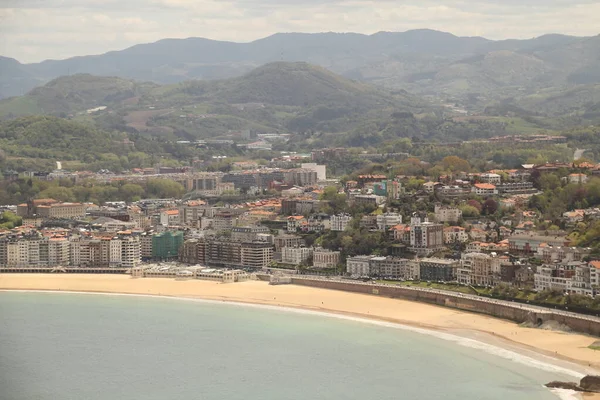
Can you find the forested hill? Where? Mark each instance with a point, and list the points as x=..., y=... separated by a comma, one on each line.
x=471, y=70
x=37, y=142
x=74, y=93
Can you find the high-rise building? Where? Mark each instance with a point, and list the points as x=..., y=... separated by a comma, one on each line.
x=426, y=237
x=257, y=254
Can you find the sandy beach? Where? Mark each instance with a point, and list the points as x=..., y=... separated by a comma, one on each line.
x=560, y=348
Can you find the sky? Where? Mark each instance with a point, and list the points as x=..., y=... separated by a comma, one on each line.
x=35, y=30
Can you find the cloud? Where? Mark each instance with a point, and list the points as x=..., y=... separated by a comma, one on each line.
x=33, y=30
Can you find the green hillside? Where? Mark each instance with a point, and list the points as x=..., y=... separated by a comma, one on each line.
x=283, y=84
x=74, y=93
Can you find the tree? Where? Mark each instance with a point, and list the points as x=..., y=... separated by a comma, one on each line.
x=57, y=193
x=549, y=182
x=454, y=163
x=131, y=192
x=489, y=207
x=469, y=211
x=9, y=220
x=164, y=188
x=336, y=201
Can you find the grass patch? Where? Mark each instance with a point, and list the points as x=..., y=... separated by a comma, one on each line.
x=432, y=285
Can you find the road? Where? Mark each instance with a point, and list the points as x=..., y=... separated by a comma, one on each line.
x=469, y=296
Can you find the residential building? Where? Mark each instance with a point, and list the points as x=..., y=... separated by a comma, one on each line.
x=368, y=200
x=193, y=251
x=321, y=170
x=529, y=243
x=437, y=269
x=340, y=222
x=561, y=254
x=494, y=179
x=388, y=220
x=169, y=218
x=165, y=245
x=479, y=269
x=455, y=234
x=223, y=252
x=484, y=189
x=284, y=240
x=294, y=222
x=256, y=254
x=447, y=214
x=401, y=233
x=146, y=246
x=359, y=266
x=323, y=258
x=248, y=233
x=131, y=252
x=578, y=178
x=425, y=237
x=224, y=220
x=516, y=188
x=296, y=255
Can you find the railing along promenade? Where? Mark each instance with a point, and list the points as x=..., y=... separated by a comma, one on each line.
x=518, y=312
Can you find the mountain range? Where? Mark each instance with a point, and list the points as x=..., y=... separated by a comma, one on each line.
x=472, y=71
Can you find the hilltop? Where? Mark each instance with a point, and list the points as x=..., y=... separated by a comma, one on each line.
x=275, y=97
x=473, y=71
x=285, y=84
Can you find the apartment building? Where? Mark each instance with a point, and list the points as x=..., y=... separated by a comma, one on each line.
x=296, y=255
x=256, y=254
x=285, y=240
x=426, y=237
x=455, y=234
x=323, y=258
x=385, y=267
x=478, y=269
x=447, y=214
x=387, y=220
x=437, y=269
x=340, y=222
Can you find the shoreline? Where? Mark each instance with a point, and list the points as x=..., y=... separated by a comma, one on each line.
x=563, y=351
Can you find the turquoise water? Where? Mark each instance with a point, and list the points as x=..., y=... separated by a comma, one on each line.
x=94, y=347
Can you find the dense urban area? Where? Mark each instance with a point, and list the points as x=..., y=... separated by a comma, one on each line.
x=292, y=169
x=528, y=233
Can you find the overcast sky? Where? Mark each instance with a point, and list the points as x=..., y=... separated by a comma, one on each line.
x=34, y=30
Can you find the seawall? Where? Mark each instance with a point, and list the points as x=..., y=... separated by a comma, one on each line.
x=519, y=313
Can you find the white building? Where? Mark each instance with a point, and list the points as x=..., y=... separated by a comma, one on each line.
x=321, y=170
x=340, y=222
x=578, y=178
x=478, y=269
x=494, y=179
x=455, y=234
x=425, y=237
x=484, y=189
x=296, y=255
x=388, y=220
x=169, y=217
x=325, y=258
x=447, y=214
x=359, y=265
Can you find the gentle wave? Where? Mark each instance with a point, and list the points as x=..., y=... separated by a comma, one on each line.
x=463, y=341
x=565, y=394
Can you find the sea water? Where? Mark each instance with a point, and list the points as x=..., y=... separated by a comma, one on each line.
x=97, y=347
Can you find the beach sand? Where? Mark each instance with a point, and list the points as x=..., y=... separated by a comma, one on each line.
x=558, y=347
